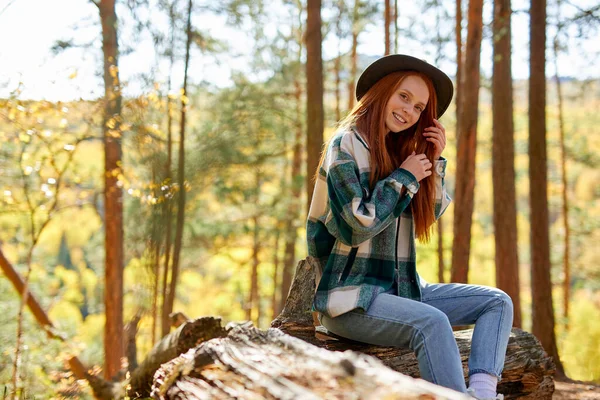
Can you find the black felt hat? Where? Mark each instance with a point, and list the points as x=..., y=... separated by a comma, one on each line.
x=401, y=62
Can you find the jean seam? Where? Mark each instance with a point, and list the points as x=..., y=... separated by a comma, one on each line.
x=402, y=323
x=458, y=297
x=500, y=323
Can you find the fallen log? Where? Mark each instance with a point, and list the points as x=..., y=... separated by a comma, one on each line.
x=185, y=337
x=528, y=370
x=254, y=364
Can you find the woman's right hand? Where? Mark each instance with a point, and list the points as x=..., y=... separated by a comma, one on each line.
x=418, y=165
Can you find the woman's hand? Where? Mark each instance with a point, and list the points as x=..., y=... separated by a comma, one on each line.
x=418, y=165
x=436, y=135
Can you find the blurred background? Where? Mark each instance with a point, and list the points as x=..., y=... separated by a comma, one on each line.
x=157, y=156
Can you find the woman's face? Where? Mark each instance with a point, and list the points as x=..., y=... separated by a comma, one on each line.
x=404, y=108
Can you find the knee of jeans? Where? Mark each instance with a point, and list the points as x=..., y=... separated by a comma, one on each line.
x=436, y=323
x=506, y=302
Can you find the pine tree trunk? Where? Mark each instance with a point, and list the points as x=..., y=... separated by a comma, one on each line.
x=253, y=300
x=338, y=62
x=314, y=94
x=541, y=284
x=466, y=149
x=276, y=259
x=386, y=27
x=113, y=195
x=353, y=56
x=565, y=187
x=170, y=300
x=167, y=205
x=503, y=155
x=290, y=229
x=459, y=63
x=395, y=26
x=441, y=266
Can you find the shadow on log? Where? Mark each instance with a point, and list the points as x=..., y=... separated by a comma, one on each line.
x=528, y=370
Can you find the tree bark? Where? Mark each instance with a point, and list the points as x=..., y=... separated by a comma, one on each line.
x=276, y=262
x=253, y=300
x=565, y=188
x=528, y=371
x=353, y=55
x=185, y=337
x=338, y=61
x=541, y=284
x=503, y=156
x=290, y=229
x=386, y=26
x=113, y=195
x=459, y=62
x=396, y=26
x=167, y=205
x=252, y=364
x=441, y=266
x=168, y=304
x=314, y=94
x=467, y=147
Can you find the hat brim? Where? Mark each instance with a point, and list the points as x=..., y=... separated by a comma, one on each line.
x=444, y=88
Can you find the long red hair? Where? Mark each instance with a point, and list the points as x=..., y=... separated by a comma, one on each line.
x=389, y=149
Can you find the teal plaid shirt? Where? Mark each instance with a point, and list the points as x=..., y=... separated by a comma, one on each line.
x=363, y=240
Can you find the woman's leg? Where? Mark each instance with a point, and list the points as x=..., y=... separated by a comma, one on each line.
x=490, y=309
x=400, y=322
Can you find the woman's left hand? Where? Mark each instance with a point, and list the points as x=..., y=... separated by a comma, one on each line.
x=436, y=135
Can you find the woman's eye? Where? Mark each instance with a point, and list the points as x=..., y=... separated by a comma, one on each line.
x=403, y=96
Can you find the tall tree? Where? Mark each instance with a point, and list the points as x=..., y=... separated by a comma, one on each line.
x=296, y=182
x=170, y=300
x=338, y=59
x=314, y=94
x=353, y=53
x=503, y=155
x=113, y=195
x=563, y=167
x=386, y=26
x=542, y=309
x=467, y=146
x=459, y=62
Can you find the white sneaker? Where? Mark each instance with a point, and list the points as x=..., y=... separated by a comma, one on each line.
x=471, y=392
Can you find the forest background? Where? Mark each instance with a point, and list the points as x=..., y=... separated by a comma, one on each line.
x=223, y=100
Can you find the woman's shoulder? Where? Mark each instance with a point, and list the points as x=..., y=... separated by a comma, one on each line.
x=348, y=139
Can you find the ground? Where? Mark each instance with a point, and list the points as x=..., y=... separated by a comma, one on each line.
x=571, y=390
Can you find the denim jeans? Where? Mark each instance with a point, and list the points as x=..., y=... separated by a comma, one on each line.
x=426, y=328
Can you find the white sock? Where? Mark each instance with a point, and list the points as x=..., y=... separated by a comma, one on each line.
x=484, y=385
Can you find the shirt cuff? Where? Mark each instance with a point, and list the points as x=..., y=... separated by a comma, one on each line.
x=404, y=178
x=440, y=167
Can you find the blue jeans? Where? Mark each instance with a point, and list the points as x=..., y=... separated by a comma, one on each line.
x=426, y=328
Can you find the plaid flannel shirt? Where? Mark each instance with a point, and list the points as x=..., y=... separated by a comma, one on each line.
x=364, y=240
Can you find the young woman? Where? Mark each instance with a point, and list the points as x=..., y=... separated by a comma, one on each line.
x=380, y=184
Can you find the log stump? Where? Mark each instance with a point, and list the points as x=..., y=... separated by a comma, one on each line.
x=528, y=370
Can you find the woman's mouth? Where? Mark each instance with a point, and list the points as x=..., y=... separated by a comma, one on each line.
x=398, y=118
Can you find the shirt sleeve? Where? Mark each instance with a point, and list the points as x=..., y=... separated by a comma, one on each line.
x=357, y=215
x=442, y=199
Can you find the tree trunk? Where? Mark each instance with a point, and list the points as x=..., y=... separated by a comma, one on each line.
x=528, y=371
x=113, y=195
x=168, y=306
x=396, y=26
x=314, y=94
x=459, y=62
x=565, y=187
x=386, y=26
x=167, y=205
x=353, y=56
x=253, y=300
x=466, y=148
x=541, y=284
x=338, y=62
x=276, y=260
x=290, y=229
x=503, y=156
x=441, y=266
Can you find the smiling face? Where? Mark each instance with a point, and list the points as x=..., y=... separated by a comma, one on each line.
x=406, y=104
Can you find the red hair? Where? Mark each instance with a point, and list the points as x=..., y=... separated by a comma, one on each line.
x=389, y=149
